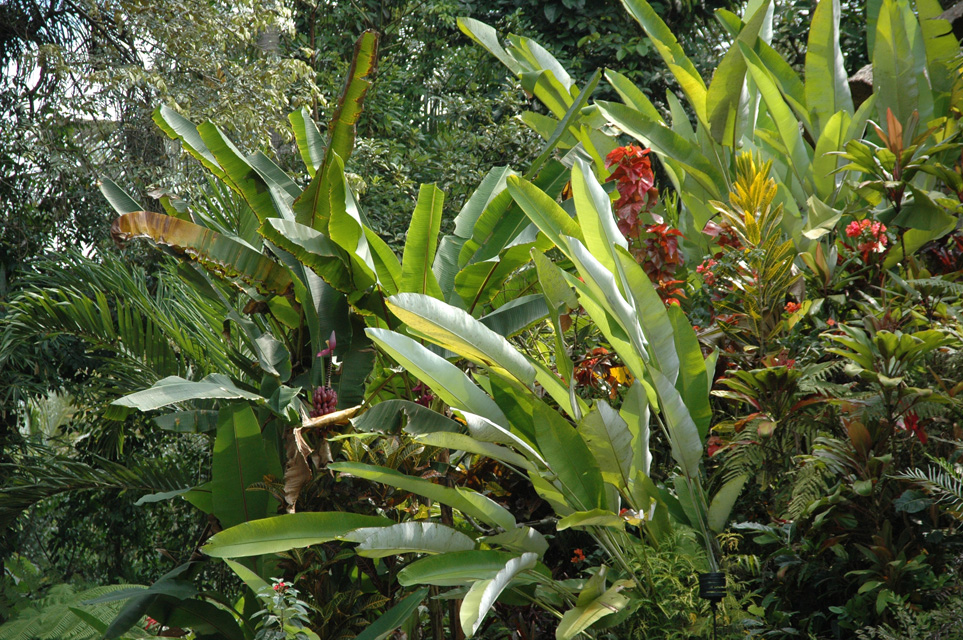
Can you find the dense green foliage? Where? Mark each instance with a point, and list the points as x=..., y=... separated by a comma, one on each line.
x=420, y=372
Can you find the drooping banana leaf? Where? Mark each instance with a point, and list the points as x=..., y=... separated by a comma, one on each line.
x=216, y=252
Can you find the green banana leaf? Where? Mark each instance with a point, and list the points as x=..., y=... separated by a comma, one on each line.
x=393, y=617
x=421, y=243
x=483, y=594
x=454, y=569
x=409, y=537
x=454, y=329
x=448, y=381
x=308, y=138
x=289, y=531
x=240, y=459
x=175, y=390
x=465, y=500
x=827, y=83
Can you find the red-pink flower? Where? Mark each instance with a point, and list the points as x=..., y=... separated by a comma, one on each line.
x=705, y=270
x=332, y=345
x=870, y=236
x=911, y=422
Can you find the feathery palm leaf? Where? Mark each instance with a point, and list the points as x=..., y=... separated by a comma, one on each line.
x=42, y=474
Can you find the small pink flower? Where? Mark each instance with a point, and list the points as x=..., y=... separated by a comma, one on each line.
x=332, y=345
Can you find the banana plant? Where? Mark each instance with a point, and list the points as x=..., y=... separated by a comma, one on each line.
x=756, y=102
x=590, y=463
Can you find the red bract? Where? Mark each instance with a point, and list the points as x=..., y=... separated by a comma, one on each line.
x=911, y=422
x=705, y=270
x=724, y=234
x=636, y=185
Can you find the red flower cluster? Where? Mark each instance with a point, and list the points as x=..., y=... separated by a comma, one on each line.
x=636, y=185
x=423, y=394
x=870, y=236
x=792, y=307
x=281, y=587
x=578, y=556
x=911, y=422
x=705, y=270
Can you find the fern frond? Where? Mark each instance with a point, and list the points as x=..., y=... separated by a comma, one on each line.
x=944, y=482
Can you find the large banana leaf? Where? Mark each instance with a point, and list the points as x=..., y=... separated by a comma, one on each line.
x=313, y=249
x=421, y=243
x=502, y=222
x=468, y=502
x=827, y=83
x=175, y=390
x=308, y=138
x=478, y=283
x=219, y=253
x=594, y=211
x=180, y=128
x=454, y=329
x=487, y=37
x=894, y=66
x=668, y=47
x=787, y=124
x=570, y=459
x=543, y=210
x=723, y=501
x=240, y=459
x=345, y=118
x=483, y=594
x=516, y=316
x=269, y=194
x=593, y=604
x=610, y=441
x=393, y=617
x=448, y=381
x=727, y=98
x=346, y=229
x=409, y=537
x=454, y=569
x=290, y=531
x=464, y=442
x=118, y=198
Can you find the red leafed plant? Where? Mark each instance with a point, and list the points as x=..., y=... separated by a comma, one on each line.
x=655, y=246
x=636, y=184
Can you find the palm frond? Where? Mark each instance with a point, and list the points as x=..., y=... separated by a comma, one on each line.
x=51, y=617
x=41, y=474
x=145, y=329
